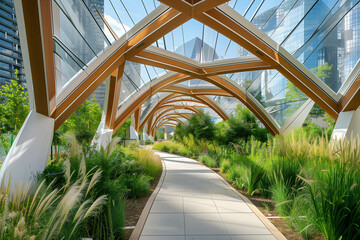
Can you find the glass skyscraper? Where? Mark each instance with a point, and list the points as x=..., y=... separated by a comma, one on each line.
x=10, y=50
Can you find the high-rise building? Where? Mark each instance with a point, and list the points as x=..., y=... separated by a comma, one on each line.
x=294, y=25
x=10, y=50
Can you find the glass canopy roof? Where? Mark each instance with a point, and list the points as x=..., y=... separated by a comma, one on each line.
x=323, y=35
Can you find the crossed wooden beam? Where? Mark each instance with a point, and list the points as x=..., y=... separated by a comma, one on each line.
x=35, y=27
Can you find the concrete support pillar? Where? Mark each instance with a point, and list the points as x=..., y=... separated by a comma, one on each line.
x=103, y=136
x=347, y=125
x=29, y=154
x=146, y=136
x=298, y=118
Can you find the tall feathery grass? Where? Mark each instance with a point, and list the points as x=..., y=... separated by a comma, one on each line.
x=46, y=212
x=313, y=181
x=151, y=162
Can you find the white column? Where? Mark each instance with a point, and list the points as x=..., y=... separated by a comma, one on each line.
x=103, y=135
x=298, y=118
x=145, y=135
x=134, y=135
x=29, y=153
x=347, y=125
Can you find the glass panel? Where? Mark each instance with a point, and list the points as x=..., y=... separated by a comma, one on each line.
x=335, y=57
x=199, y=43
x=85, y=24
x=71, y=38
x=281, y=111
x=66, y=67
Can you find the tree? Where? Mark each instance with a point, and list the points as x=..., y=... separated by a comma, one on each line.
x=84, y=121
x=221, y=132
x=121, y=132
x=180, y=132
x=200, y=125
x=242, y=124
x=14, y=108
x=160, y=134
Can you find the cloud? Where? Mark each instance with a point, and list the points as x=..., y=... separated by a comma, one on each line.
x=115, y=25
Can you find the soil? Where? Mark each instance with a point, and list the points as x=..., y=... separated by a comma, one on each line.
x=134, y=208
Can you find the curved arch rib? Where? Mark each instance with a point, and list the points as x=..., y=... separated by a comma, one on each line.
x=168, y=108
x=172, y=99
x=162, y=122
x=220, y=81
x=161, y=21
x=231, y=24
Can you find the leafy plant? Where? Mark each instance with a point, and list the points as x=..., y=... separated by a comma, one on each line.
x=48, y=212
x=211, y=162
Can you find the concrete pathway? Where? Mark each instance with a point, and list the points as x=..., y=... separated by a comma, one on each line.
x=194, y=203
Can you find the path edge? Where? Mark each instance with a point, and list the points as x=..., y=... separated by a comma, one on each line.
x=276, y=232
x=136, y=233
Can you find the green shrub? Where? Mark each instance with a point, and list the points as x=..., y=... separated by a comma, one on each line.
x=149, y=142
x=150, y=161
x=254, y=175
x=234, y=173
x=225, y=165
x=209, y=161
x=54, y=172
x=134, y=144
x=282, y=197
x=138, y=185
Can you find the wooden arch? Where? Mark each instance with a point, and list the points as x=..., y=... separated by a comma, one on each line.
x=35, y=29
x=223, y=83
x=171, y=98
x=161, y=123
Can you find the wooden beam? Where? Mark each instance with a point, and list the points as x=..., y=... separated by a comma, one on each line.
x=34, y=18
x=161, y=25
x=228, y=87
x=351, y=100
x=145, y=96
x=137, y=119
x=194, y=110
x=254, y=43
x=218, y=82
x=114, y=94
x=47, y=34
x=196, y=91
x=173, y=63
x=157, y=125
x=172, y=99
x=194, y=7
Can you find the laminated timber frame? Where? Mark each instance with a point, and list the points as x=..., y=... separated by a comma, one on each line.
x=221, y=82
x=135, y=46
x=154, y=113
x=172, y=98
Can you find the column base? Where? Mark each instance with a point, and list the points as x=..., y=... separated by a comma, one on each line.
x=29, y=154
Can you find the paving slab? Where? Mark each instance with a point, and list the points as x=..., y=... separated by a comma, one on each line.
x=193, y=203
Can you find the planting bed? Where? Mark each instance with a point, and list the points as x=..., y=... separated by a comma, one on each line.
x=267, y=207
x=134, y=208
